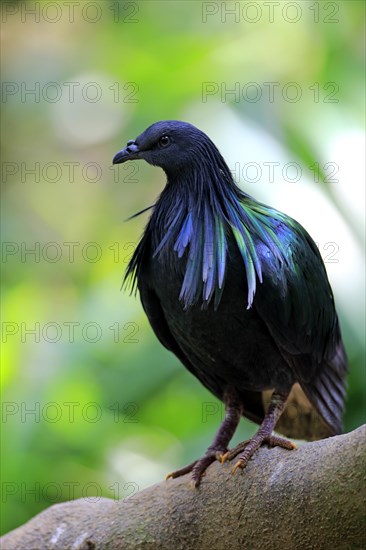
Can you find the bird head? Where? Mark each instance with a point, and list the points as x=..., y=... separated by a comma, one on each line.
x=171, y=144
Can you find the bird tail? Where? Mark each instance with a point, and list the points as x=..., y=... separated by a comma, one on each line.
x=315, y=408
x=328, y=391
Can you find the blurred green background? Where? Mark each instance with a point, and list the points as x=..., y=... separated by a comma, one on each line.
x=92, y=403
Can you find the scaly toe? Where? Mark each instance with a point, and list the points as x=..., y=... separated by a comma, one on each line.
x=229, y=455
x=181, y=471
x=275, y=441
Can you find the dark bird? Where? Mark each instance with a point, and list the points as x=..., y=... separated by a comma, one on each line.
x=238, y=292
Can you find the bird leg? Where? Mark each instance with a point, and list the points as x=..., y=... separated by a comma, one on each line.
x=233, y=412
x=263, y=435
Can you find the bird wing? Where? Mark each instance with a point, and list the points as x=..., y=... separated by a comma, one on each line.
x=296, y=303
x=155, y=314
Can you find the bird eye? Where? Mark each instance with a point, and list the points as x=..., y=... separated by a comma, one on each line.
x=164, y=141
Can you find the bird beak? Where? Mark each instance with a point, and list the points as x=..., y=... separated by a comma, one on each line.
x=130, y=152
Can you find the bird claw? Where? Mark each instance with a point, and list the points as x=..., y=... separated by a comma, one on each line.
x=181, y=471
x=225, y=457
x=247, y=448
x=275, y=441
x=229, y=455
x=220, y=456
x=252, y=445
x=237, y=465
x=198, y=467
x=193, y=484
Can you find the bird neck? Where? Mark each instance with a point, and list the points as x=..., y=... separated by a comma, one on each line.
x=195, y=218
x=206, y=184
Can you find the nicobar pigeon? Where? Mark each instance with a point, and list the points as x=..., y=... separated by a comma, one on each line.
x=238, y=292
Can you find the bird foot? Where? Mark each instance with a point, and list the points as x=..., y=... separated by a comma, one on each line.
x=250, y=446
x=199, y=467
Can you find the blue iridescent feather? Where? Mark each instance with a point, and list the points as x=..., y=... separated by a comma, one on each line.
x=198, y=233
